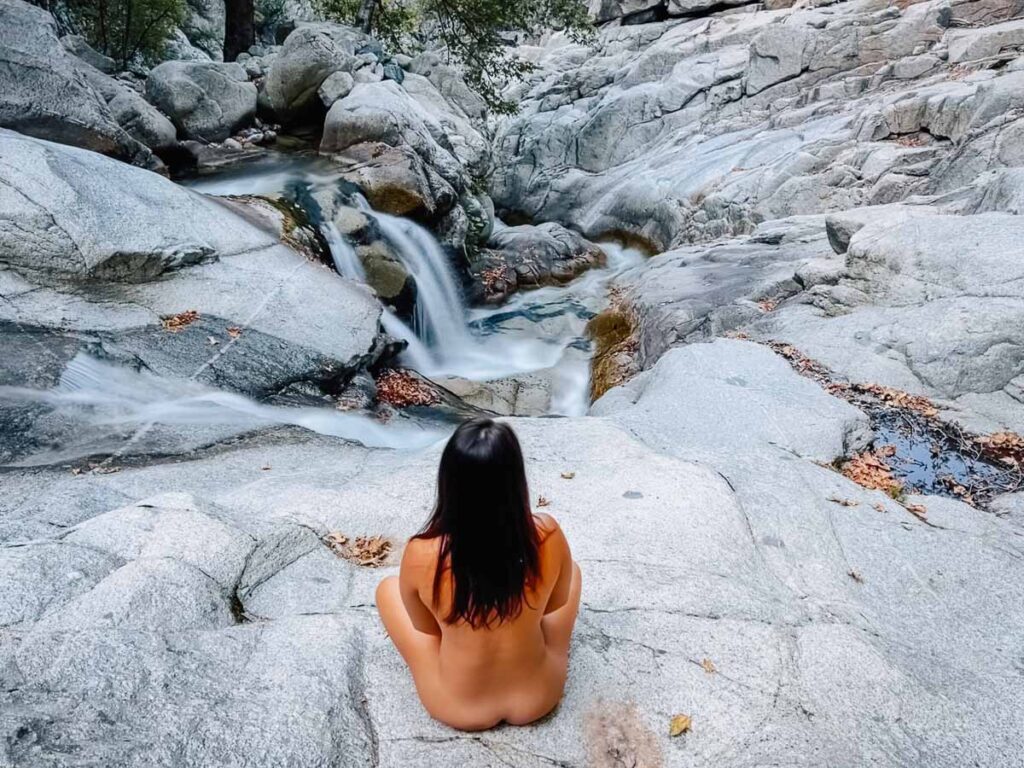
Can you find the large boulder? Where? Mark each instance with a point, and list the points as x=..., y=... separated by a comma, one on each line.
x=310, y=54
x=529, y=256
x=208, y=101
x=143, y=122
x=43, y=92
x=72, y=214
x=384, y=112
x=101, y=258
x=204, y=26
x=77, y=46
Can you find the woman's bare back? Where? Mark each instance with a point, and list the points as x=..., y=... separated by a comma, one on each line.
x=475, y=678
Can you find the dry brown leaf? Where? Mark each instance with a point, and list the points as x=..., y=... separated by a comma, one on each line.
x=679, y=725
x=879, y=507
x=843, y=502
x=709, y=666
x=543, y=502
x=868, y=469
x=175, y=323
x=234, y=331
x=767, y=305
x=367, y=551
x=918, y=510
x=402, y=389
x=568, y=475
x=900, y=399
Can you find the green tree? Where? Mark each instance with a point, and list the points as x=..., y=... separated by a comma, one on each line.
x=475, y=33
x=127, y=29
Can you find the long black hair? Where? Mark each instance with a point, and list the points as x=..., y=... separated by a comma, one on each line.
x=489, y=542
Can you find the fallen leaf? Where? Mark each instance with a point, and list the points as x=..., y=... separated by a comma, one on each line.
x=917, y=510
x=767, y=305
x=679, y=725
x=843, y=502
x=709, y=666
x=568, y=475
x=543, y=502
x=869, y=469
x=175, y=323
x=879, y=507
x=401, y=389
x=234, y=331
x=366, y=551
x=855, y=575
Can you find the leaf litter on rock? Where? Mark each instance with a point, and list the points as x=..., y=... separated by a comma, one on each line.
x=402, y=389
x=180, y=321
x=928, y=447
x=366, y=551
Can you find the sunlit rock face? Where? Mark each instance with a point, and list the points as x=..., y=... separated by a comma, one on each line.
x=692, y=129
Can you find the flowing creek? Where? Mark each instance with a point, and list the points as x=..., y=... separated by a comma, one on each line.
x=536, y=338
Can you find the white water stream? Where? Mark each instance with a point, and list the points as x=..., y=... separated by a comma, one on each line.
x=539, y=331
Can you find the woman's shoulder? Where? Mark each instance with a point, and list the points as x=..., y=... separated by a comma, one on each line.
x=547, y=527
x=420, y=552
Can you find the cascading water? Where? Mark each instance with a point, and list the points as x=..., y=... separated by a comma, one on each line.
x=344, y=255
x=534, y=331
x=99, y=394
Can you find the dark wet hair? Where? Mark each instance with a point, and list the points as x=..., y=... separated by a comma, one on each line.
x=489, y=541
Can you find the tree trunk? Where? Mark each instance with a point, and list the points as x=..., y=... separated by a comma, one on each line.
x=239, y=27
x=364, y=17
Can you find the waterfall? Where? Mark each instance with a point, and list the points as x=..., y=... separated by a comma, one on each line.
x=344, y=255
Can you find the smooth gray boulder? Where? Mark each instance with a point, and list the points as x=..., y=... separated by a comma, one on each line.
x=208, y=101
x=531, y=256
x=44, y=94
x=97, y=259
x=143, y=122
x=77, y=46
x=309, y=56
x=78, y=215
x=336, y=86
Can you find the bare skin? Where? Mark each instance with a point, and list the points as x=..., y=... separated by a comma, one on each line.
x=473, y=679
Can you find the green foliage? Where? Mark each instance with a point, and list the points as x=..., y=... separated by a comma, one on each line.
x=128, y=29
x=475, y=33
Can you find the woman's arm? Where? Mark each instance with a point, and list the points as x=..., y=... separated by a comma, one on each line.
x=556, y=551
x=415, y=571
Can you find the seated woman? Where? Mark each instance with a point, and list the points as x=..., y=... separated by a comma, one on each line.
x=487, y=595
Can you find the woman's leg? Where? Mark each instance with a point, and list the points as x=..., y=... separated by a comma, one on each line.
x=419, y=649
x=557, y=625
